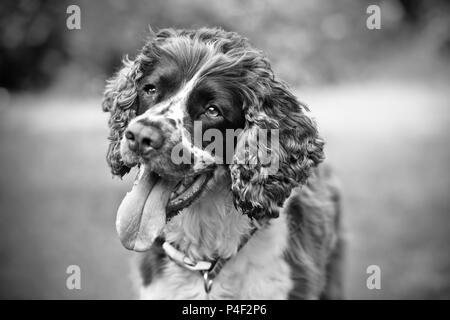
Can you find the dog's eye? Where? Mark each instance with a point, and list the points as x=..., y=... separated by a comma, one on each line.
x=212, y=111
x=150, y=89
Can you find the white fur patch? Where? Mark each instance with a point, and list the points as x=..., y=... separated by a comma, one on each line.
x=211, y=226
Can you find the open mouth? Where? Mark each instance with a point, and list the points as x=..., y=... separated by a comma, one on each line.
x=186, y=192
x=151, y=202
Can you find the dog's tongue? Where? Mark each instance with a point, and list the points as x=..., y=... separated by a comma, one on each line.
x=142, y=214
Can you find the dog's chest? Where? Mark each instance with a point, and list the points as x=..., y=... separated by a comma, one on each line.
x=258, y=271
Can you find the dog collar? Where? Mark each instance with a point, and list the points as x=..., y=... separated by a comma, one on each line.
x=209, y=270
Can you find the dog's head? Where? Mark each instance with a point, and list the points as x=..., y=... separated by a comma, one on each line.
x=194, y=100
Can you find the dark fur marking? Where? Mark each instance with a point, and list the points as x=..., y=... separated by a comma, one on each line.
x=172, y=122
x=153, y=262
x=165, y=110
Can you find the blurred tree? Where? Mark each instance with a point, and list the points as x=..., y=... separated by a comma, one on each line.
x=307, y=41
x=32, y=42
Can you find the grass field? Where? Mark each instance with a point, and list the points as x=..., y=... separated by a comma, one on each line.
x=389, y=142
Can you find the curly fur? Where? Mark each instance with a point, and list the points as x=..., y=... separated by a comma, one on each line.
x=300, y=149
x=120, y=100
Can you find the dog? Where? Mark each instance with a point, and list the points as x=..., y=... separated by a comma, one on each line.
x=211, y=224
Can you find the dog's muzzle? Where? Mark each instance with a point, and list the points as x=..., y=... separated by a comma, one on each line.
x=164, y=187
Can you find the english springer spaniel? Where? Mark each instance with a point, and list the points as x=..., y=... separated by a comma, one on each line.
x=231, y=201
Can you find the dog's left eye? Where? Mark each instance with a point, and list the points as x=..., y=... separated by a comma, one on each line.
x=212, y=112
x=150, y=89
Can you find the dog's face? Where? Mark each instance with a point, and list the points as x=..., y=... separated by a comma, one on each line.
x=178, y=104
x=194, y=100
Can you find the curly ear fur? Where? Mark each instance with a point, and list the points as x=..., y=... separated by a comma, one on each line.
x=120, y=99
x=300, y=148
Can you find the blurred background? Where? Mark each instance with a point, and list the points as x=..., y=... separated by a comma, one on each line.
x=381, y=98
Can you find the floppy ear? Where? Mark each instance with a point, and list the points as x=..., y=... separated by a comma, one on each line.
x=120, y=100
x=261, y=181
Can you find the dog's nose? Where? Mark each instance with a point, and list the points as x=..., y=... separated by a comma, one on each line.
x=143, y=138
